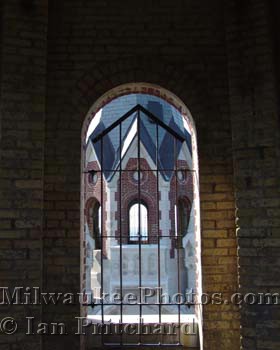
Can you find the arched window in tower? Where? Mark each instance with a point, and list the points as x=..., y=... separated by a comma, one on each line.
x=142, y=150
x=138, y=223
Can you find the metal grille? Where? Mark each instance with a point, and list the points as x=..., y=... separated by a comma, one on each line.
x=147, y=247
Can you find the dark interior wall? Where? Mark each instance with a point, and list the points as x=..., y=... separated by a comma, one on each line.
x=23, y=73
x=254, y=104
x=1, y=30
x=57, y=58
x=274, y=20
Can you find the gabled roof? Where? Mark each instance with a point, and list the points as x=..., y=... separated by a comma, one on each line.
x=153, y=130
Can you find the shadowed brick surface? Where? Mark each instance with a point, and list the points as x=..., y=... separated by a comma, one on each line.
x=57, y=58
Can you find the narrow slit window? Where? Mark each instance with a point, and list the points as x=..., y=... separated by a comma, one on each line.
x=97, y=225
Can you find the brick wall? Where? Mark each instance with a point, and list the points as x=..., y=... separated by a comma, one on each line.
x=57, y=59
x=23, y=105
x=255, y=130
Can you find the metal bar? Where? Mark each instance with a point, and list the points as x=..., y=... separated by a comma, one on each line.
x=139, y=219
x=131, y=242
x=144, y=170
x=102, y=248
x=158, y=231
x=120, y=227
x=139, y=108
x=176, y=229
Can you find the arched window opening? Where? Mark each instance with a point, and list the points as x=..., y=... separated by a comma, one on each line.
x=145, y=223
x=138, y=223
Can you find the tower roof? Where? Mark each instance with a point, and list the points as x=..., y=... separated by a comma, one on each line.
x=159, y=125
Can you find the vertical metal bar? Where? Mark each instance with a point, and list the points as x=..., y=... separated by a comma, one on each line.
x=101, y=256
x=139, y=222
x=120, y=227
x=158, y=231
x=178, y=235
